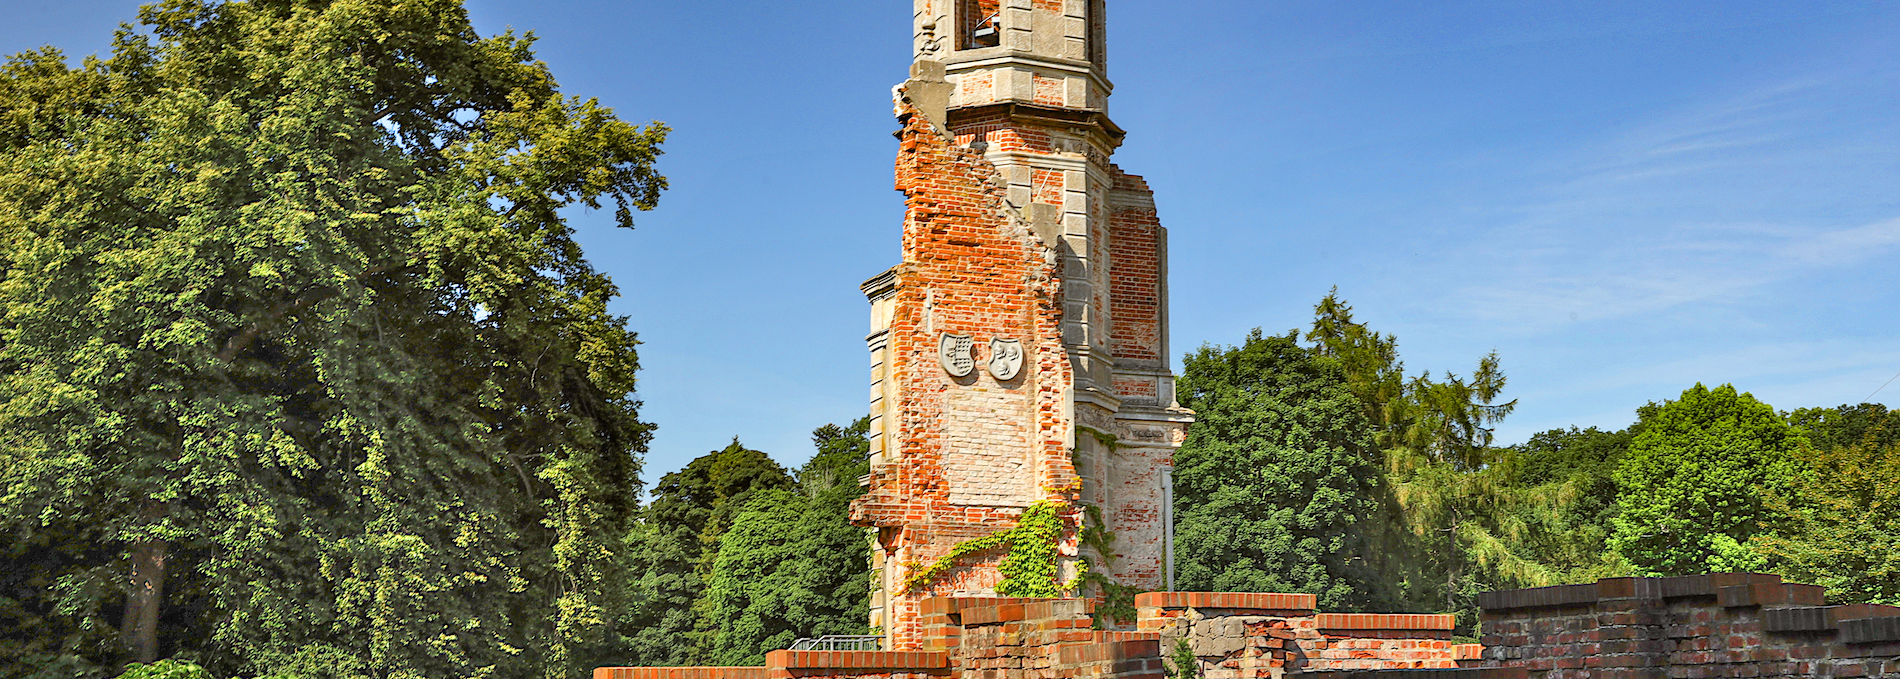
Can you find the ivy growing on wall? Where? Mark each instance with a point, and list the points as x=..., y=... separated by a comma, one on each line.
x=1031, y=567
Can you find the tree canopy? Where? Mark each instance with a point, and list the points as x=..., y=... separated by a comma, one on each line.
x=1276, y=474
x=1694, y=481
x=300, y=365
x=1843, y=522
x=792, y=565
x=675, y=547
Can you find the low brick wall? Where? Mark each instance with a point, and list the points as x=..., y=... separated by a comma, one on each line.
x=681, y=673
x=1035, y=639
x=1721, y=625
x=815, y=664
x=1249, y=636
x=1236, y=636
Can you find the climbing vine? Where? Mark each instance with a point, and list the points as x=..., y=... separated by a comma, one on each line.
x=1030, y=567
x=1118, y=600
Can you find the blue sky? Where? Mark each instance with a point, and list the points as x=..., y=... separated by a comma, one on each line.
x=1621, y=198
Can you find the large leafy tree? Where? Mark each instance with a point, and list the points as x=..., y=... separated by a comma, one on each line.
x=792, y=565
x=300, y=367
x=1276, y=475
x=1843, y=523
x=1870, y=425
x=1694, y=482
x=676, y=544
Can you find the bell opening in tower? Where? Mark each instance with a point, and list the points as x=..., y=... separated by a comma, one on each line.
x=982, y=23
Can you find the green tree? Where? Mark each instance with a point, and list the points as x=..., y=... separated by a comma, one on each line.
x=1694, y=481
x=1276, y=475
x=1431, y=535
x=1843, y=526
x=1868, y=424
x=1448, y=420
x=299, y=363
x=792, y=565
x=1561, y=495
x=1537, y=515
x=675, y=547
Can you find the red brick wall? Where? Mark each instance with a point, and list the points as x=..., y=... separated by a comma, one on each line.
x=1135, y=284
x=968, y=454
x=1277, y=635
x=1722, y=625
x=1243, y=636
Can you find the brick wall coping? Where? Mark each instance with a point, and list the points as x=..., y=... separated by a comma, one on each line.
x=1112, y=635
x=1870, y=630
x=881, y=660
x=948, y=605
x=1730, y=589
x=1241, y=600
x=1385, y=621
x=681, y=673
x=1057, y=611
x=1822, y=618
x=1469, y=673
x=1467, y=652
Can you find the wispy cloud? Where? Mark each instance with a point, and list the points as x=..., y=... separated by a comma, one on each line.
x=1705, y=205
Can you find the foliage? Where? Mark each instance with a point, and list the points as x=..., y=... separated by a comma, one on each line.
x=1829, y=429
x=298, y=358
x=1694, y=481
x=1446, y=420
x=1117, y=599
x=1182, y=664
x=1843, y=530
x=1453, y=515
x=1557, y=493
x=1276, y=476
x=792, y=565
x=677, y=543
x=1030, y=567
x=165, y=669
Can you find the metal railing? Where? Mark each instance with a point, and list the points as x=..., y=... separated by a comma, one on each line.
x=840, y=642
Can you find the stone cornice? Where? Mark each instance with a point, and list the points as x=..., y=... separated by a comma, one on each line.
x=1044, y=115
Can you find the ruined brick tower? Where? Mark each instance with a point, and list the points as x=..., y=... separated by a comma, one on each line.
x=1019, y=351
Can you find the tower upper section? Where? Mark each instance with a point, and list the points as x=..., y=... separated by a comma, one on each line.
x=1039, y=52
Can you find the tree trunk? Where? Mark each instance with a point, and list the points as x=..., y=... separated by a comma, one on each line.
x=139, y=631
x=1457, y=564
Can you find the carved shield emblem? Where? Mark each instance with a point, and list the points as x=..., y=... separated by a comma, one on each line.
x=954, y=352
x=1006, y=358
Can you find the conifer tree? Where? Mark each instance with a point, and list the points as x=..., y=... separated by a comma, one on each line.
x=300, y=367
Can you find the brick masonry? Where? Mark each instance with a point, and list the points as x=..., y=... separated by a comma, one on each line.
x=1017, y=227
x=1248, y=636
x=1278, y=635
x=1720, y=625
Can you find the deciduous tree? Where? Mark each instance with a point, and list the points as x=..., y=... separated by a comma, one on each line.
x=1694, y=482
x=1843, y=522
x=300, y=365
x=1276, y=476
x=792, y=565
